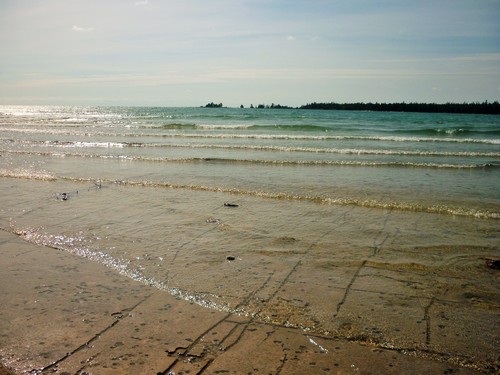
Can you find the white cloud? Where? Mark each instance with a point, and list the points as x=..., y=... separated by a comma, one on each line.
x=290, y=38
x=82, y=29
x=143, y=2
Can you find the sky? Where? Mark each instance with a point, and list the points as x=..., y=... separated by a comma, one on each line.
x=293, y=52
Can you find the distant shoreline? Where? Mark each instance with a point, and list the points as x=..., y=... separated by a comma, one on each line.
x=473, y=108
x=490, y=108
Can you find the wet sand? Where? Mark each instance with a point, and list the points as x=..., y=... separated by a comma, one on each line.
x=5, y=371
x=98, y=322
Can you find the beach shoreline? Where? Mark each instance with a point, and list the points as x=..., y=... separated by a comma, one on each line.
x=157, y=240
x=99, y=322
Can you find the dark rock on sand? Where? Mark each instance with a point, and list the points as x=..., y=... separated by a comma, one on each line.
x=493, y=263
x=63, y=196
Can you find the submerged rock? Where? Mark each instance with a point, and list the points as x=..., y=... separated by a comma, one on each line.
x=285, y=240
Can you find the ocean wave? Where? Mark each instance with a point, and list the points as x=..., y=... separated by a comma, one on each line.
x=323, y=129
x=270, y=148
x=292, y=137
x=322, y=137
x=69, y=144
x=440, y=209
x=314, y=128
x=174, y=126
x=93, y=144
x=452, y=131
x=328, y=150
x=280, y=162
x=250, y=127
x=341, y=201
x=27, y=174
x=293, y=128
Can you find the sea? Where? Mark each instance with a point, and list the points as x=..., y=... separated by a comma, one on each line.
x=281, y=215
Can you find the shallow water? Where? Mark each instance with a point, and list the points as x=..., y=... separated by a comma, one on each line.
x=417, y=162
x=366, y=250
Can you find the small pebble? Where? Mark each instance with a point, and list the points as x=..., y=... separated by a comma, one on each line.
x=62, y=196
x=493, y=263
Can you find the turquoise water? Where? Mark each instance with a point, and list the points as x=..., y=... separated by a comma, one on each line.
x=442, y=163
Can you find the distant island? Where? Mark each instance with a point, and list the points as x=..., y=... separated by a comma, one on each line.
x=490, y=108
x=213, y=105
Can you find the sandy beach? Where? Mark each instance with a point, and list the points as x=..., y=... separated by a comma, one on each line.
x=98, y=322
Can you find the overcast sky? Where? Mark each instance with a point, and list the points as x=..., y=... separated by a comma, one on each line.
x=290, y=52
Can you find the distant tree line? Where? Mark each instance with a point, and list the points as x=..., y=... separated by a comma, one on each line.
x=476, y=107
x=485, y=107
x=265, y=106
x=260, y=106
